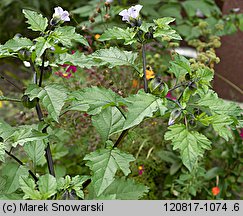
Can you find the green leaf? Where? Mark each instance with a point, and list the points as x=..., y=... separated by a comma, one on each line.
x=205, y=7
x=220, y=124
x=123, y=189
x=41, y=45
x=180, y=66
x=35, y=151
x=109, y=121
x=29, y=188
x=66, y=34
x=104, y=164
x=12, y=172
x=114, y=57
x=140, y=106
x=164, y=22
x=213, y=172
x=77, y=59
x=17, y=44
x=164, y=30
x=145, y=27
x=36, y=21
x=119, y=34
x=96, y=99
x=76, y=184
x=52, y=96
x=171, y=9
x=190, y=143
x=2, y=152
x=47, y=186
x=218, y=105
x=205, y=75
x=26, y=133
x=6, y=130
x=167, y=33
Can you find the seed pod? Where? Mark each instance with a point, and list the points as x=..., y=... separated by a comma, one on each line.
x=27, y=102
x=173, y=116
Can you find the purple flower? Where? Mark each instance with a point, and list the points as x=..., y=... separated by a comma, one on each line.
x=140, y=169
x=61, y=14
x=241, y=133
x=131, y=13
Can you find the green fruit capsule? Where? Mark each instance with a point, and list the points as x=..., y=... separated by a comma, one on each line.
x=47, y=72
x=27, y=102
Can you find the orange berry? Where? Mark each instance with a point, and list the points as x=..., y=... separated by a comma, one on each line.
x=215, y=190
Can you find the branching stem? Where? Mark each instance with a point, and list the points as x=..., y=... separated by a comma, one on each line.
x=21, y=163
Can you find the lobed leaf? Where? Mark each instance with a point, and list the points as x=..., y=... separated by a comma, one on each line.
x=126, y=189
x=190, y=143
x=180, y=66
x=66, y=34
x=140, y=106
x=41, y=45
x=47, y=186
x=29, y=188
x=94, y=99
x=35, y=151
x=15, y=44
x=109, y=121
x=52, y=96
x=104, y=164
x=119, y=34
x=36, y=21
x=114, y=57
x=77, y=59
x=218, y=105
x=6, y=130
x=220, y=124
x=24, y=134
x=12, y=172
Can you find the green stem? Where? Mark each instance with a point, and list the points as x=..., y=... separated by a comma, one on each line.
x=21, y=163
x=144, y=68
x=9, y=99
x=177, y=86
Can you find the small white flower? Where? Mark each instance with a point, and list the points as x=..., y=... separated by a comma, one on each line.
x=61, y=14
x=109, y=1
x=132, y=12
